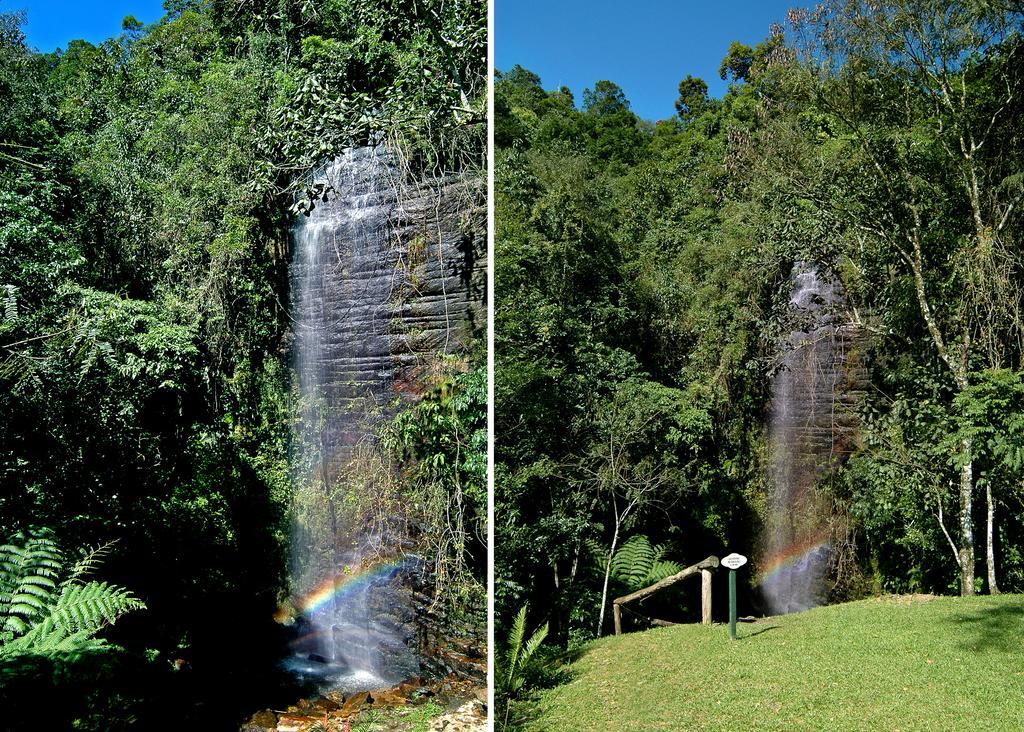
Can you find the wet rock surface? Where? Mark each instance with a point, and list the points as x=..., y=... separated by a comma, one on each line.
x=386, y=276
x=465, y=702
x=388, y=282
x=448, y=645
x=812, y=426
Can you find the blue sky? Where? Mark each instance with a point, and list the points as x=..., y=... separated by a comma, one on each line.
x=644, y=46
x=51, y=23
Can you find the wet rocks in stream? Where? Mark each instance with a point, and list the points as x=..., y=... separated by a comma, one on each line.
x=464, y=701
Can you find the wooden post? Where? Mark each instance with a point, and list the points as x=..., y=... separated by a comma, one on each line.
x=617, y=612
x=705, y=596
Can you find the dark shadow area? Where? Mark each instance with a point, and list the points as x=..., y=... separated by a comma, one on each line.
x=113, y=689
x=759, y=631
x=470, y=266
x=995, y=628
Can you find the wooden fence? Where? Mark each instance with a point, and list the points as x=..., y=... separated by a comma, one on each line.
x=704, y=568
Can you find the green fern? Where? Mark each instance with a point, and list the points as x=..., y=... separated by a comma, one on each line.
x=661, y=569
x=29, y=567
x=515, y=666
x=90, y=560
x=40, y=612
x=10, y=303
x=638, y=563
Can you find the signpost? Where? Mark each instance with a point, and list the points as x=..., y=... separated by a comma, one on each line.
x=733, y=562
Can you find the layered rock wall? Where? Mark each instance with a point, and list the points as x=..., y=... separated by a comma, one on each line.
x=388, y=283
x=812, y=424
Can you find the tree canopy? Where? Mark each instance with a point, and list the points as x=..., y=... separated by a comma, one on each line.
x=877, y=139
x=148, y=185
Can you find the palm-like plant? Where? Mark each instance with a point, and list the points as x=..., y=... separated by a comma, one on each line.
x=517, y=661
x=46, y=607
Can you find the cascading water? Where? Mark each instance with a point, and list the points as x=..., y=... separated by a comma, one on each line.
x=343, y=283
x=810, y=421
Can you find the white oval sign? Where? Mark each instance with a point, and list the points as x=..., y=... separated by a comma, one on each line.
x=734, y=561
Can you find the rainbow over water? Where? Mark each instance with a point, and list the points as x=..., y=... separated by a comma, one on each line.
x=350, y=580
x=792, y=557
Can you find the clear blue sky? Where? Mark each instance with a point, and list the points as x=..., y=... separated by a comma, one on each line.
x=644, y=46
x=52, y=23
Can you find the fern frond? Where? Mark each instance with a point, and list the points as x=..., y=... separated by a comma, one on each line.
x=597, y=553
x=90, y=561
x=519, y=654
x=27, y=579
x=638, y=563
x=632, y=563
x=515, y=645
x=10, y=303
x=532, y=645
x=92, y=605
x=14, y=626
x=661, y=569
x=39, y=614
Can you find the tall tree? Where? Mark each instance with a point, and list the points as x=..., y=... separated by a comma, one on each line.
x=926, y=91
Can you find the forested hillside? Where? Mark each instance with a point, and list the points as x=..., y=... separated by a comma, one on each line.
x=643, y=275
x=148, y=186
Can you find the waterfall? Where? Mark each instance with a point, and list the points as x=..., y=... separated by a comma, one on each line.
x=344, y=283
x=811, y=419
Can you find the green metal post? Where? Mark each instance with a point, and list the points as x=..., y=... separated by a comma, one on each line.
x=732, y=604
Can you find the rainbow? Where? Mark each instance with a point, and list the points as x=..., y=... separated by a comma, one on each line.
x=349, y=581
x=777, y=564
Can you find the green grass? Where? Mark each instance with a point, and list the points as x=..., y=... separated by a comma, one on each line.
x=411, y=718
x=903, y=663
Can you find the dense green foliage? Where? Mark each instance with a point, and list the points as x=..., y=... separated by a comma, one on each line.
x=148, y=185
x=442, y=444
x=643, y=274
x=629, y=379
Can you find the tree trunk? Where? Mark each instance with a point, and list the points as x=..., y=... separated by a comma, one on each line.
x=966, y=524
x=607, y=575
x=993, y=587
x=959, y=372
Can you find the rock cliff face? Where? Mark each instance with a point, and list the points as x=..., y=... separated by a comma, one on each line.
x=386, y=276
x=812, y=424
x=387, y=280
x=451, y=645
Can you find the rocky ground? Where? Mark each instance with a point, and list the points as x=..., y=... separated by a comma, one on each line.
x=415, y=705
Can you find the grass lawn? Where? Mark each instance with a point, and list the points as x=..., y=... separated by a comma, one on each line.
x=896, y=663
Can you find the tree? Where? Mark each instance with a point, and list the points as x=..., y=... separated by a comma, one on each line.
x=623, y=473
x=693, y=98
x=991, y=420
x=925, y=91
x=606, y=98
x=737, y=62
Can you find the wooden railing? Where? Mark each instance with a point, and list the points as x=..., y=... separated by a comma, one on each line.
x=704, y=567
